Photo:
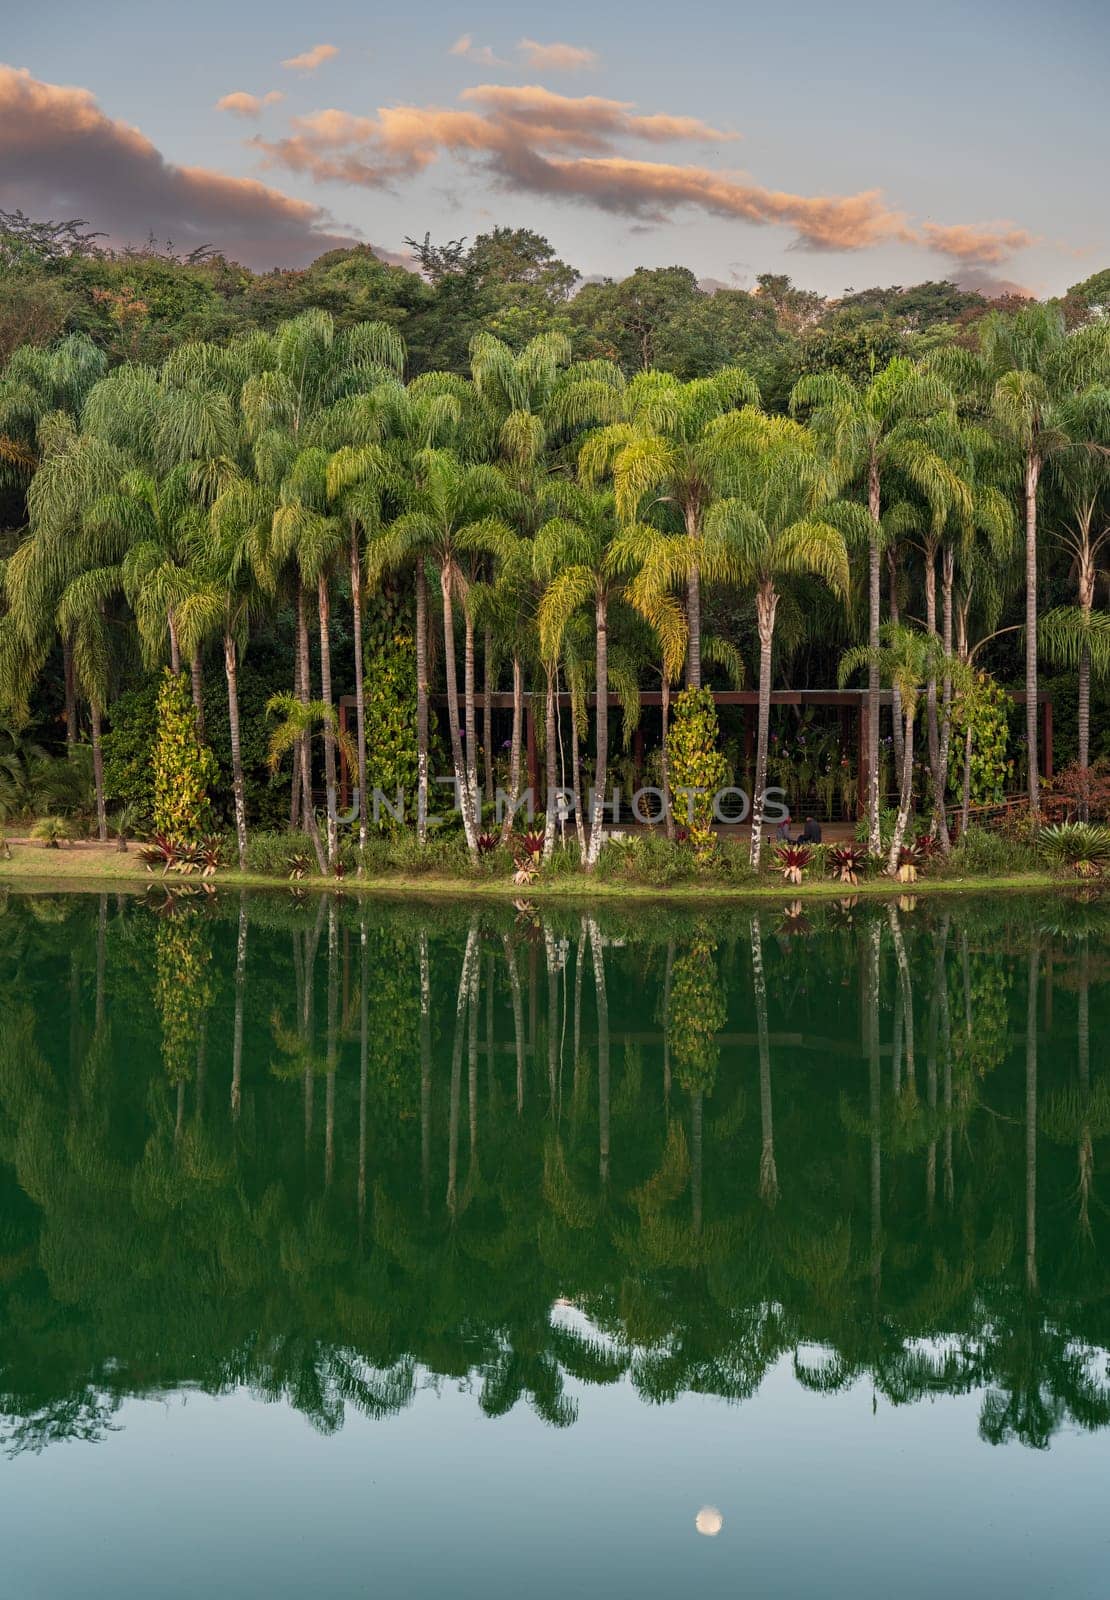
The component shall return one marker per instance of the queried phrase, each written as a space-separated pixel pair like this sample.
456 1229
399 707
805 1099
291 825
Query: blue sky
847 145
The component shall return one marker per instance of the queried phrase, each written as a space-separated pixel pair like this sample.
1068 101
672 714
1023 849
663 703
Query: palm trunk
323 595
665 757
602 997
947 568
875 1106
175 647
425 971
98 773
693 607
360 689
905 798
240 992
549 764
932 731
487 715
766 603
470 717
576 785
462 785
518 1017
296 786
768 1172
874 614
514 749
1032 478
304 689
196 674
597 807
895 693
421 703
231 668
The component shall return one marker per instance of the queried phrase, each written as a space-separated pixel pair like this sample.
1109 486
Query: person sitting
782 832
811 832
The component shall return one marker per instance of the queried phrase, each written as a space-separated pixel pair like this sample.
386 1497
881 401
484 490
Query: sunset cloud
61 156
242 104
556 57
529 139
986 245
309 60
480 54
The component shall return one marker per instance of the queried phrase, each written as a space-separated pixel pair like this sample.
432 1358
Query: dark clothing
811 833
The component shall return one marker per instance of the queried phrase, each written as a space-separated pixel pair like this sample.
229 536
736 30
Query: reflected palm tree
597 951
768 1171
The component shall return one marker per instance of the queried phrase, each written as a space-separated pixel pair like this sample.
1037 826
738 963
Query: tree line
556 517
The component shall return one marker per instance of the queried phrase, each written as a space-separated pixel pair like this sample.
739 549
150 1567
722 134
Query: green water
366 1249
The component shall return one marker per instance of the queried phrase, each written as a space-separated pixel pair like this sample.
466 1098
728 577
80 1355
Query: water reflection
330 1151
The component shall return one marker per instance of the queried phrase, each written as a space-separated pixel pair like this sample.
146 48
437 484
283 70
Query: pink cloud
556 57
309 60
242 104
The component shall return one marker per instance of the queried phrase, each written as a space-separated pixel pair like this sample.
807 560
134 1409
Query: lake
396 1248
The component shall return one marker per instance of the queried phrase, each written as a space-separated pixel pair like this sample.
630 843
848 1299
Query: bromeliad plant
793 859
847 862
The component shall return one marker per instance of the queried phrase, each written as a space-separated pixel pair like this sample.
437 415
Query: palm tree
906 658
769 530
231 572
574 555
1023 380
449 519
82 619
666 451
1078 637
868 429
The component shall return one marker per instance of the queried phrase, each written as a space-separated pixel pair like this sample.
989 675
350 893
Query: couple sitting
810 834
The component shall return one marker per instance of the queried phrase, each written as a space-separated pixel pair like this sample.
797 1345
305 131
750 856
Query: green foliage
183 990
986 708
391 724
696 1015
184 769
271 855
696 765
53 831
1082 848
988 853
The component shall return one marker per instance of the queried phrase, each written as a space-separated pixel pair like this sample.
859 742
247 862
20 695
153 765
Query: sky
847 145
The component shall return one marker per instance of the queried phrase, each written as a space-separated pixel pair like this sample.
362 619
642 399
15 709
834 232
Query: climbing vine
697 767
184 768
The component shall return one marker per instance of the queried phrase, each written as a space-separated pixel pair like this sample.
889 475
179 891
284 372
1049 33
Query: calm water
370 1250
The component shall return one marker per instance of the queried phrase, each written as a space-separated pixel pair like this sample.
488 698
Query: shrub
270 854
54 831
792 860
986 852
184 768
848 861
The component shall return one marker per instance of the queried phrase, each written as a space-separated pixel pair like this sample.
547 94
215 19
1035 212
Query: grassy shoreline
34 868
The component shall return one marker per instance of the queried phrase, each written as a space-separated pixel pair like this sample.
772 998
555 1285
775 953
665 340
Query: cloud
61 156
242 104
309 60
556 57
986 244
480 54
529 139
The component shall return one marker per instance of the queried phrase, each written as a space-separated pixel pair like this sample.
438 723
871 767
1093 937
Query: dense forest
419 489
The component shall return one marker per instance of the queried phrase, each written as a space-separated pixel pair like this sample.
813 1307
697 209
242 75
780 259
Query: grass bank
92 866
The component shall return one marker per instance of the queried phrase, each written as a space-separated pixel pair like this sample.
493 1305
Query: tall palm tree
1024 380
869 428
664 451
1078 637
574 555
450 520
230 575
907 658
